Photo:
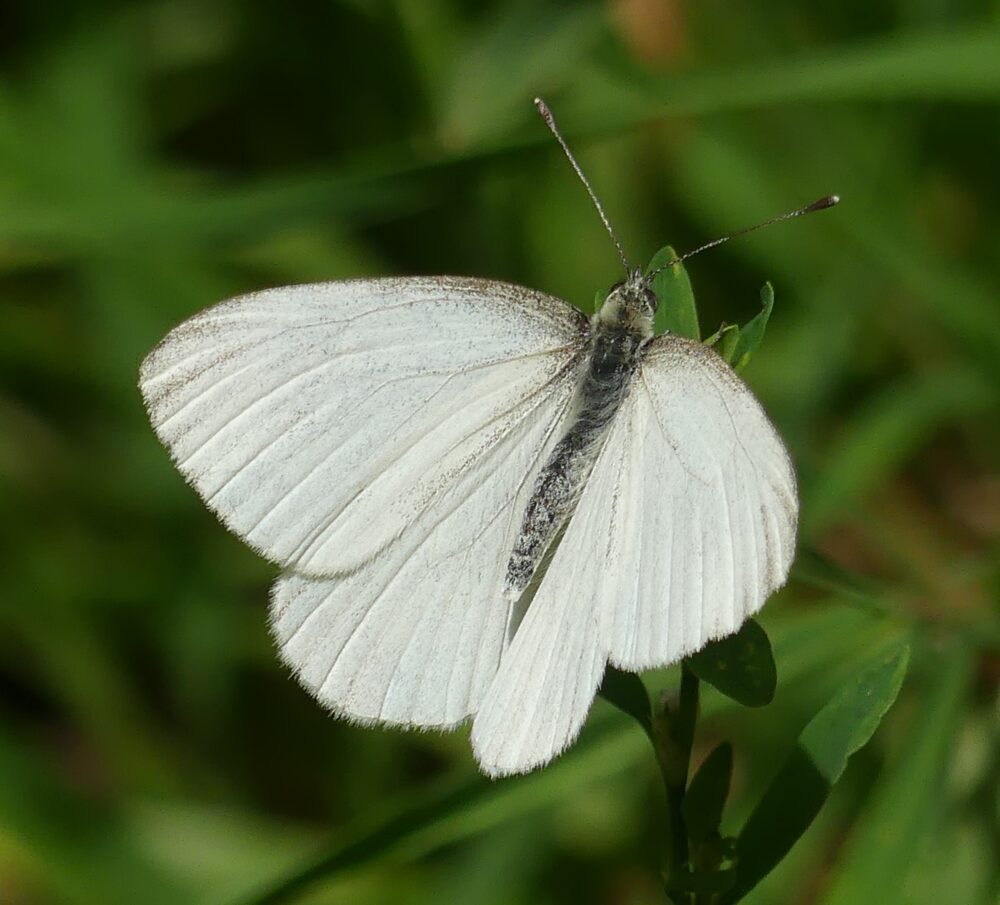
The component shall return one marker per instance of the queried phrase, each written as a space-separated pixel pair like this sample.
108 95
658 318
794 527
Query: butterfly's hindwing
414 636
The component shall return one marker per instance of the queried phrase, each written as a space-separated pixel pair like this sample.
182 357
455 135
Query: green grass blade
961 64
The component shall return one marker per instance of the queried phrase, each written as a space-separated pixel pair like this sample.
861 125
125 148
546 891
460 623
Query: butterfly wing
539 698
321 422
703 530
414 636
686 525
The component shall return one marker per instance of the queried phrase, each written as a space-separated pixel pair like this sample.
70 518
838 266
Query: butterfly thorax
619 334
630 305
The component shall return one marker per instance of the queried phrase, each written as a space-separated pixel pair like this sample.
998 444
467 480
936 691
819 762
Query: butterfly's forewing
686 525
321 422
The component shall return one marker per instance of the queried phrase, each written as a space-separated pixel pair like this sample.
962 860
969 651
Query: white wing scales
414 637
704 523
685 527
319 421
549 674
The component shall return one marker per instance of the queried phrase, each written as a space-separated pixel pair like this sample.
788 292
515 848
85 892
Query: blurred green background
158 156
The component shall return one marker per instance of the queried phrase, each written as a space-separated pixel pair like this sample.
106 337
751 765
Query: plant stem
674 736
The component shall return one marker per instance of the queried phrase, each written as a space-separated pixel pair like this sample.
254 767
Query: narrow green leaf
706 796
737 344
906 807
741 666
752 332
677 312
728 343
956 64
626 692
797 793
718 338
850 719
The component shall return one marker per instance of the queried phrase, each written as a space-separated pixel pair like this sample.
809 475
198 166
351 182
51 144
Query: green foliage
626 692
706 795
740 665
737 344
677 312
699 860
803 784
887 840
154 161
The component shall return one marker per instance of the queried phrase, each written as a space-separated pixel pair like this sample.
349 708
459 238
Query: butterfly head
630 304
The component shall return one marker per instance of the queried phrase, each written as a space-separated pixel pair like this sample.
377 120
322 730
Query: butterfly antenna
820 205
550 121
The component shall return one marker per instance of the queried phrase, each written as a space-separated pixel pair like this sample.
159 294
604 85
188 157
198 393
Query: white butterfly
408 450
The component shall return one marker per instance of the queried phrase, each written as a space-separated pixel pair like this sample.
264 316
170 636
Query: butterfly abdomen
615 352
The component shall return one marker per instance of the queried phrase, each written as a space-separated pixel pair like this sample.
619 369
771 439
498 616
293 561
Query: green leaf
677 312
706 796
741 666
752 332
737 344
904 811
626 692
728 343
718 338
797 793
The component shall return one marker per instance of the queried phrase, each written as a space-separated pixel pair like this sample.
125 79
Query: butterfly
479 496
